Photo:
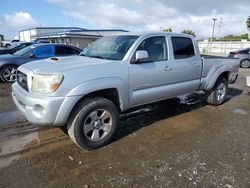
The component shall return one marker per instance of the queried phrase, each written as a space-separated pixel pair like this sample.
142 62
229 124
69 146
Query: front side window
183 47
43 51
110 47
25 50
156 48
21 46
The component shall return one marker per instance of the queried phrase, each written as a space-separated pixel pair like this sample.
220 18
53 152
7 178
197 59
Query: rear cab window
183 47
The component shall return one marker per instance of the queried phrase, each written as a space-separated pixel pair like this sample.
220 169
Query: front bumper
40 110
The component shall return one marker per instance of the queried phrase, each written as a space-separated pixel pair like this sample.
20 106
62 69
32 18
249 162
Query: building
28 34
78 37
1 38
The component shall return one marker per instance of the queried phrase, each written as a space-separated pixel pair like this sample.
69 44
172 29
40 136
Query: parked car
7 44
243 55
42 41
10 62
15 47
86 93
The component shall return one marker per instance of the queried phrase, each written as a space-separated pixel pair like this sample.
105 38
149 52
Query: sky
132 15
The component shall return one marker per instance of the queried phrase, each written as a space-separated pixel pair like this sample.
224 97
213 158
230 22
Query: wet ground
176 143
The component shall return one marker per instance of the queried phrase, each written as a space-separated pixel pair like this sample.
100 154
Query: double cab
86 93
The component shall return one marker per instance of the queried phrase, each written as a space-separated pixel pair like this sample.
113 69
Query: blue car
10 62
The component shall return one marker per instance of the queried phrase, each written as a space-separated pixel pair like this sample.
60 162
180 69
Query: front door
147 79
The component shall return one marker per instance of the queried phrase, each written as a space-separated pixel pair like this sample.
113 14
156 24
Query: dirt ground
174 143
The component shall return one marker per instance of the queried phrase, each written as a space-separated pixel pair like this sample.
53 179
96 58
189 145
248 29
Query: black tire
216 96
81 119
7 45
245 63
13 71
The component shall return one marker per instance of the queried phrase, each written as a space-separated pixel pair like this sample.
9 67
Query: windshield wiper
97 56
93 56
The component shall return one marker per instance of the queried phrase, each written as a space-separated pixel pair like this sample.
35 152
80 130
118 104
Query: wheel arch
216 77
117 93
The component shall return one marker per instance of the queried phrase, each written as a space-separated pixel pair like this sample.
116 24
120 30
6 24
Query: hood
62 64
5 51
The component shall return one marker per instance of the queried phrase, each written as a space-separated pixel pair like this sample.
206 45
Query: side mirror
31 55
141 55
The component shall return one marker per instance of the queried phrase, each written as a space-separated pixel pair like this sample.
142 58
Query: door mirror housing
140 56
31 55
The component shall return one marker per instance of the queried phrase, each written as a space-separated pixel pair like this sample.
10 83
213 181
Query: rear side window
183 47
64 50
44 51
244 51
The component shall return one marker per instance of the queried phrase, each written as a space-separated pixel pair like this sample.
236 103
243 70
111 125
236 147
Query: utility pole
214 19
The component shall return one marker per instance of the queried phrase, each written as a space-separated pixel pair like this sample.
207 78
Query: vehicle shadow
147 115
233 92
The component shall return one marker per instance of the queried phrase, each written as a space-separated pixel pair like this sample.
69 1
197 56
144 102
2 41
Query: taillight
233 54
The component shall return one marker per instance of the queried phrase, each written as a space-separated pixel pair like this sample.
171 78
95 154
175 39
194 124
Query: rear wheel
8 73
219 92
245 63
93 123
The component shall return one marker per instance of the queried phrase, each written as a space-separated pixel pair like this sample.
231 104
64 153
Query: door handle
196 64
168 68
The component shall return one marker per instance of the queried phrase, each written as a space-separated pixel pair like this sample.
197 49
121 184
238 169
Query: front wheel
219 92
8 73
245 63
93 123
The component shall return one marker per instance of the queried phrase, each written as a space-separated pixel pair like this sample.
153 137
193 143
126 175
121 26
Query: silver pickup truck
86 93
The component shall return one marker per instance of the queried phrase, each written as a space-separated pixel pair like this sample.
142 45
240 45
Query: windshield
111 47
13 46
25 50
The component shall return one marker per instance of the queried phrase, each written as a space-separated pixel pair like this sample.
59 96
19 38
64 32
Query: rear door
186 64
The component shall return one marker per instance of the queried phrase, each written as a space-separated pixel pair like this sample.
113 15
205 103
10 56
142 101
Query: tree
232 37
168 30
189 32
248 23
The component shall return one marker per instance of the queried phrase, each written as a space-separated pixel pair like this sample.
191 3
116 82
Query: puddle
8 118
4 162
239 111
14 145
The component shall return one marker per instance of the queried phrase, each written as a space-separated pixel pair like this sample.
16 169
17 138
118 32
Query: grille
22 80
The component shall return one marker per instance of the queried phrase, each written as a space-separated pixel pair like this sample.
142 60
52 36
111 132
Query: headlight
44 83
